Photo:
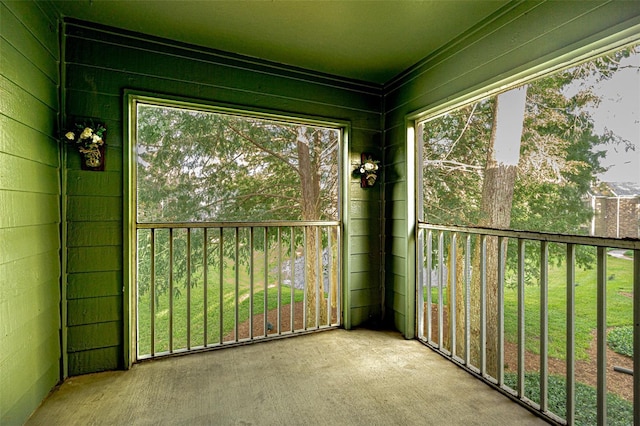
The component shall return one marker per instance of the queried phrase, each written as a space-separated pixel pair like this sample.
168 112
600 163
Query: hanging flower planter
367 170
89 139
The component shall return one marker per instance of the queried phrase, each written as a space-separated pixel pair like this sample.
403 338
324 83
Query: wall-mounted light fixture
367 170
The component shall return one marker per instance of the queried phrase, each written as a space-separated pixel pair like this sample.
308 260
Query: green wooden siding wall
523 38
29 209
100 64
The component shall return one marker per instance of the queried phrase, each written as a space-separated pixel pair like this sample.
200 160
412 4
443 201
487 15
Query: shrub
620 340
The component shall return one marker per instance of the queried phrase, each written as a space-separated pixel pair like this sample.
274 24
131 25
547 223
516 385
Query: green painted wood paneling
27 241
94 88
93 360
29 209
106 184
523 38
94 336
94 259
24 175
26 142
94 284
86 234
30 31
94 209
94 310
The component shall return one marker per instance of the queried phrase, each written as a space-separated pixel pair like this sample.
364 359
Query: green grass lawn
212 311
619 307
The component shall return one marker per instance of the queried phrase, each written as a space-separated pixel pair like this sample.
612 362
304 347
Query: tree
202 166
541 190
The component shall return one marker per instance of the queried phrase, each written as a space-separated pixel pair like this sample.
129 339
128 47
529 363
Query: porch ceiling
372 41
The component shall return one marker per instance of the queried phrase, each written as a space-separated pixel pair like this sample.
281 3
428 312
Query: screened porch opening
514 283
238 232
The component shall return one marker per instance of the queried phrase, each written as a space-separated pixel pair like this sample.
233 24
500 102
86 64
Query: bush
619 411
620 340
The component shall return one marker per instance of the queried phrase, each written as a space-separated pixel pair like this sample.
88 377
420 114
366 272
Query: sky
619 111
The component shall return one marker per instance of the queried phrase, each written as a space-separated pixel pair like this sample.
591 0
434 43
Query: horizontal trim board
81 29
203 78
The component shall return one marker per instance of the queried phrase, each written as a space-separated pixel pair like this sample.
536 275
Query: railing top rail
271 224
626 243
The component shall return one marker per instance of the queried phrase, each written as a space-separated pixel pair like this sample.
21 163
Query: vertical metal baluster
305 277
188 288
170 289
601 340
339 272
429 284
440 284
152 289
502 241
521 325
483 304
251 282
265 299
279 311
329 274
292 278
544 326
318 275
205 284
236 266
453 252
571 313
221 278
636 336
421 278
467 301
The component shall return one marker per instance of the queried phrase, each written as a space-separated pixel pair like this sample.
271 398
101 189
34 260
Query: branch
264 148
452 165
464 129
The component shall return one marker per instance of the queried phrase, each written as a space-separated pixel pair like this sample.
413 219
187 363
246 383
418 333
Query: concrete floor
338 377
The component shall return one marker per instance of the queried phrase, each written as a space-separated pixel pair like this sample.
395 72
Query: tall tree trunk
310 186
497 196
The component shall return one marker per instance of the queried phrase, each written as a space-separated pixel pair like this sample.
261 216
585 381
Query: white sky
619 111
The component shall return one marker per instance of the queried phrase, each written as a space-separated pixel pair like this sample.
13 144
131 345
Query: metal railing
503 305
212 284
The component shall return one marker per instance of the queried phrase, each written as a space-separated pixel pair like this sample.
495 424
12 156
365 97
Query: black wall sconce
367 170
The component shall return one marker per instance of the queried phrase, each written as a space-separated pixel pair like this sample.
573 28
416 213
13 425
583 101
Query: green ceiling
372 41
